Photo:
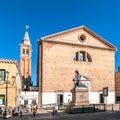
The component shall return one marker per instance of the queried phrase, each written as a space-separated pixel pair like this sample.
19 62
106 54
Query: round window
82 37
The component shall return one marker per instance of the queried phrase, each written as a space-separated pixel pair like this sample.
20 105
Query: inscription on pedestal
80 96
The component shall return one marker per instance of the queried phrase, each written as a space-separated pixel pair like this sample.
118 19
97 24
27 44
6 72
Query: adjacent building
10 75
29 97
117 85
78 49
16 88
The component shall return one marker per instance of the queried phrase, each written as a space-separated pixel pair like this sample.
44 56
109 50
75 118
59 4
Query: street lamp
7 82
13 79
0 78
7 74
6 101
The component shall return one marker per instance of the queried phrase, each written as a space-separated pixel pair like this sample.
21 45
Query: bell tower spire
25 60
26 39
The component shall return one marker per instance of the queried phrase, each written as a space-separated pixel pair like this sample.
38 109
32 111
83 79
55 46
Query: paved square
109 115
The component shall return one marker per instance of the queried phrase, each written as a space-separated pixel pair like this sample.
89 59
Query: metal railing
86 108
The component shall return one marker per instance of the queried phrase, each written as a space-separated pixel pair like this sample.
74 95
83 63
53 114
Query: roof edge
8 60
62 32
80 27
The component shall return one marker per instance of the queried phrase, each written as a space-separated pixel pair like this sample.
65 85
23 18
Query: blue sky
50 16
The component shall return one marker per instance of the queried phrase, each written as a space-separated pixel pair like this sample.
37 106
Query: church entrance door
101 98
60 99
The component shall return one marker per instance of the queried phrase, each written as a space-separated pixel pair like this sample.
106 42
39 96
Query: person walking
36 107
31 107
34 112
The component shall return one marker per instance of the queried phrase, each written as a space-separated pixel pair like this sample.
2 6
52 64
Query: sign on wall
105 91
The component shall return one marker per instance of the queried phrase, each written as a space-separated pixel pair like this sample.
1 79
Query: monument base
79 96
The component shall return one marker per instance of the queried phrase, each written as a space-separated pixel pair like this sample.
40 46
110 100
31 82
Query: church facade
78 49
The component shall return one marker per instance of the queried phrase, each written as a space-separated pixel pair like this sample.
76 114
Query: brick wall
59 67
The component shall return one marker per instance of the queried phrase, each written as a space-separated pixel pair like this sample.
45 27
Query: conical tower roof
26 39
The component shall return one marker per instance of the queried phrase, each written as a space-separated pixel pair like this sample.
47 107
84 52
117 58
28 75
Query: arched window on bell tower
27 51
23 51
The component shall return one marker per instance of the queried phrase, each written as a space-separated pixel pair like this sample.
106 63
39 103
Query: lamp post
14 82
6 100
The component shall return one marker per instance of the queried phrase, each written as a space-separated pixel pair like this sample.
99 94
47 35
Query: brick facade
117 84
25 61
56 64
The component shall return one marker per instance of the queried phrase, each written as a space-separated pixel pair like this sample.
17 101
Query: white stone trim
31 95
94 98
49 98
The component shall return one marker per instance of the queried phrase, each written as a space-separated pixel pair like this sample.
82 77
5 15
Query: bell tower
25 60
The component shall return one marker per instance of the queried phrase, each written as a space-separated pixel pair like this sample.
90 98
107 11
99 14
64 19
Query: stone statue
77 80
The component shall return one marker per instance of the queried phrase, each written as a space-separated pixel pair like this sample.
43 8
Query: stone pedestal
79 96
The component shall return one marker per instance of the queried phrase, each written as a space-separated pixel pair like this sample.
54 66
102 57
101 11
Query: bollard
21 113
53 111
112 107
104 107
70 109
83 109
119 105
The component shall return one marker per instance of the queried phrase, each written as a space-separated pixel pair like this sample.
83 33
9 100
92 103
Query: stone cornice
77 28
60 33
25 45
75 44
8 61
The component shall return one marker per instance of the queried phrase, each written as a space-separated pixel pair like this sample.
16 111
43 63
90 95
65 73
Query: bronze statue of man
78 82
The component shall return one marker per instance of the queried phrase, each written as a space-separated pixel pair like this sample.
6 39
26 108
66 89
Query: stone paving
47 115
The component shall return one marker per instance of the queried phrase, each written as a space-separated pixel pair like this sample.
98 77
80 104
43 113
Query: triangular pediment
79 36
